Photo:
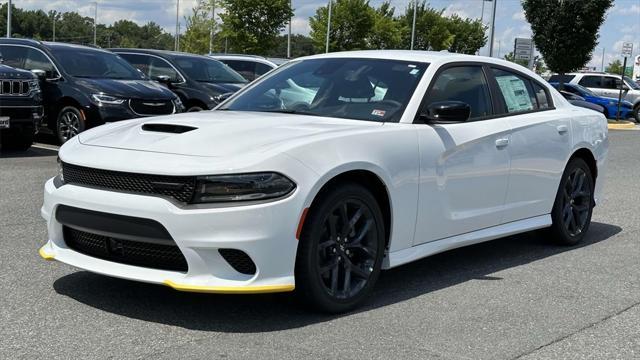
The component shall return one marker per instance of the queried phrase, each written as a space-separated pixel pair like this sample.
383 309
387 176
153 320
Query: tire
20 140
195 108
636 113
573 206
334 273
70 123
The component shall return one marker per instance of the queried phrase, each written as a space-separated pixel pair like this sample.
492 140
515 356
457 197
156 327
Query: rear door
539 147
594 83
464 167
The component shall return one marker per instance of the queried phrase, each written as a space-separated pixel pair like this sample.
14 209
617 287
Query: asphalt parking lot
513 298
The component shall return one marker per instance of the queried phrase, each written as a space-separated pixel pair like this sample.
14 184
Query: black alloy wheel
70 123
341 249
574 204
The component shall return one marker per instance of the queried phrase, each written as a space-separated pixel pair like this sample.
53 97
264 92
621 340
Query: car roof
49 44
161 53
414 55
254 58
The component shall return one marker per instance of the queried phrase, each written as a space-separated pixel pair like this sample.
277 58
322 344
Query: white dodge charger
326 171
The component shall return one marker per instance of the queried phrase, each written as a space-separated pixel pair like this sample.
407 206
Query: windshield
630 83
88 63
208 70
347 88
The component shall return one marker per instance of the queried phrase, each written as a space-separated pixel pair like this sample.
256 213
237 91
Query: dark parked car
20 107
199 81
83 87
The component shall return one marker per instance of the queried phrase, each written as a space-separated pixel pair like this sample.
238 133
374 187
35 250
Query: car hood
7 72
223 88
218 133
130 89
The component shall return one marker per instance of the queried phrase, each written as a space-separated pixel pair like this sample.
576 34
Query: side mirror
222 97
447 111
41 74
163 79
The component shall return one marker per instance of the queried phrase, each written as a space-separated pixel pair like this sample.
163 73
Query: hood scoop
168 128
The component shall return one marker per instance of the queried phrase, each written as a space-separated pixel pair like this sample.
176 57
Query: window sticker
515 93
379 113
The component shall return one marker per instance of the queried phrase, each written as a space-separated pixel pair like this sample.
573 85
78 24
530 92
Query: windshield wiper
289 111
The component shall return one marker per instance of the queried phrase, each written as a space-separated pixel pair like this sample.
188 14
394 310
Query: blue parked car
610 104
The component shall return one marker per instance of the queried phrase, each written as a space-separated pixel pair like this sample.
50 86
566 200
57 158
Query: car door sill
404 256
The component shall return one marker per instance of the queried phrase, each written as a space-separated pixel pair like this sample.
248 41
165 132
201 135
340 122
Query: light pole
328 27
602 64
493 28
95 23
413 26
9 19
176 44
54 26
289 37
213 25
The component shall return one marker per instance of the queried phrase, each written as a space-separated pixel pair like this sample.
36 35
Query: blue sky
622 23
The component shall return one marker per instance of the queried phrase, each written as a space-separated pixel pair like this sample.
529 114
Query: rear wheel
574 203
195 108
341 249
636 113
70 123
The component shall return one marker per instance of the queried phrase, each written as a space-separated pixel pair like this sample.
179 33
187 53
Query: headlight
242 187
34 85
102 99
59 179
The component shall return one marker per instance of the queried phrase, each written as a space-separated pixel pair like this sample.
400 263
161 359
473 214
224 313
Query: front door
464 167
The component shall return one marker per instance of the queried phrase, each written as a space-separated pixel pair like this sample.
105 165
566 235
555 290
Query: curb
622 125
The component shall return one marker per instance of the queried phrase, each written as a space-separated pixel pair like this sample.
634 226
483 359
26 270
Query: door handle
562 129
500 143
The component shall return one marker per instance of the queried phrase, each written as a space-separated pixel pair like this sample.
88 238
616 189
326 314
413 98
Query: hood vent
168 128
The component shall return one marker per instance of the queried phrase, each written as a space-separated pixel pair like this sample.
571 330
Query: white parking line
46 146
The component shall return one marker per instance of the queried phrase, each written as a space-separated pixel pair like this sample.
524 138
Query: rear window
564 78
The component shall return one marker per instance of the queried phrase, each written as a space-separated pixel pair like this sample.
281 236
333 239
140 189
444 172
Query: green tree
386 33
351 24
468 35
199 23
432 30
614 67
565 32
253 26
300 46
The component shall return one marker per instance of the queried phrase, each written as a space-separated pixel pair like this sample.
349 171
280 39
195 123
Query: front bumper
260 230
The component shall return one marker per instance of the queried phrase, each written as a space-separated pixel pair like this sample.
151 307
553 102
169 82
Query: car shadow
31 152
274 312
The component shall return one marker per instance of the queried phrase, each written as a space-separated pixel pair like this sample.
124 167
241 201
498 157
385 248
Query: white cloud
519 16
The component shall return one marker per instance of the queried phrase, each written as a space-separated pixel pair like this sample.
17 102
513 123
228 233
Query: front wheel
70 123
636 113
341 249
574 203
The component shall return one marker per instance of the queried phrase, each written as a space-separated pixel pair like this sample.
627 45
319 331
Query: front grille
14 87
151 107
181 188
156 256
239 261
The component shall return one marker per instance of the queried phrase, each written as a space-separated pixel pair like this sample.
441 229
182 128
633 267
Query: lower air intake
239 261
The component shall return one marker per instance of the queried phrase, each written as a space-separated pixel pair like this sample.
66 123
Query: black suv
83 87
200 81
20 107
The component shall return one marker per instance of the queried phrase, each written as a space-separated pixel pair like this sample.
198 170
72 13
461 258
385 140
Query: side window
516 91
245 68
262 69
36 60
140 62
543 97
14 56
591 81
609 82
466 84
159 67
